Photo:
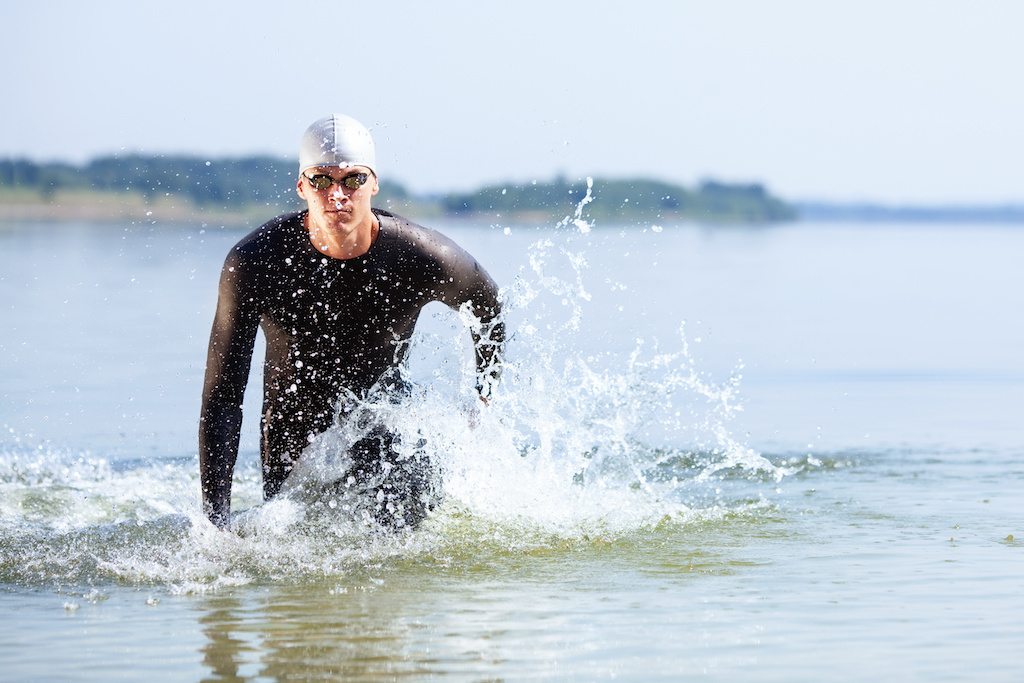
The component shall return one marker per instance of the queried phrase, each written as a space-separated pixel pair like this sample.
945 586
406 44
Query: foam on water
578 445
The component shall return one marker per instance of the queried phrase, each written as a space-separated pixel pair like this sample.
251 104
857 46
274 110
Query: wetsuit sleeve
227 370
468 284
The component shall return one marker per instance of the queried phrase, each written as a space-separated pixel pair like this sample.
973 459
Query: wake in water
577 444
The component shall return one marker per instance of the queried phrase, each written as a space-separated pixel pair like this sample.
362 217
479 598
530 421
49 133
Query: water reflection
323 630
466 614
227 652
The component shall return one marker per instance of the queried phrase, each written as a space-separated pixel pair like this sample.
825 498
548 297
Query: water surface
782 453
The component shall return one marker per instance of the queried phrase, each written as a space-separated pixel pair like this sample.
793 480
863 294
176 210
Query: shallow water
779 453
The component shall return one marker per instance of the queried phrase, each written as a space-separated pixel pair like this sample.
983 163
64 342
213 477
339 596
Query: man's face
338 207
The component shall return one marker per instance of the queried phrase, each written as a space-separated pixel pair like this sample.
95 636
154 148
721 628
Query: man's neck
340 243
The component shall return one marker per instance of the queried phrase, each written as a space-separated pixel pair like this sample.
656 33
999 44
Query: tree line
236 184
223 182
627 200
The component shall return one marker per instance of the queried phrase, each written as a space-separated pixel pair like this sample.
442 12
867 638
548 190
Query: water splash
580 444
577 219
574 444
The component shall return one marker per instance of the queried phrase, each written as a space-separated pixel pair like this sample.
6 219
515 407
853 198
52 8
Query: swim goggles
353 181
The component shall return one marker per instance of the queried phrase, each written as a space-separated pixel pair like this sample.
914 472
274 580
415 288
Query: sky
888 101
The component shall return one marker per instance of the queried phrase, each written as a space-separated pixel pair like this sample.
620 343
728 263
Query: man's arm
469 284
227 371
488 344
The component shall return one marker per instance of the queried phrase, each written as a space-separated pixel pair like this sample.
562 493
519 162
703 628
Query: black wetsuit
331 326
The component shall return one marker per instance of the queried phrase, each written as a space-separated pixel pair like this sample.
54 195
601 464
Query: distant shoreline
166 188
91 207
114 208
249 191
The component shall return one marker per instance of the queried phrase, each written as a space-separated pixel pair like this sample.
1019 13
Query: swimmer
336 289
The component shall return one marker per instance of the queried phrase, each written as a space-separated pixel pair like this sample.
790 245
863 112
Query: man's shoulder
402 233
269 236
399 225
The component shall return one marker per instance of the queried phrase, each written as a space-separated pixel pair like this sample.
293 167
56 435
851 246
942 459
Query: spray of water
574 445
577 445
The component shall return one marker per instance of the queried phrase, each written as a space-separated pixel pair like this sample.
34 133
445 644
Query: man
336 289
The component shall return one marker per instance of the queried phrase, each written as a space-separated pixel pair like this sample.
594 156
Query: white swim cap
336 140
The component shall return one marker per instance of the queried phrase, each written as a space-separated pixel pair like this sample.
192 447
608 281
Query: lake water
777 453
